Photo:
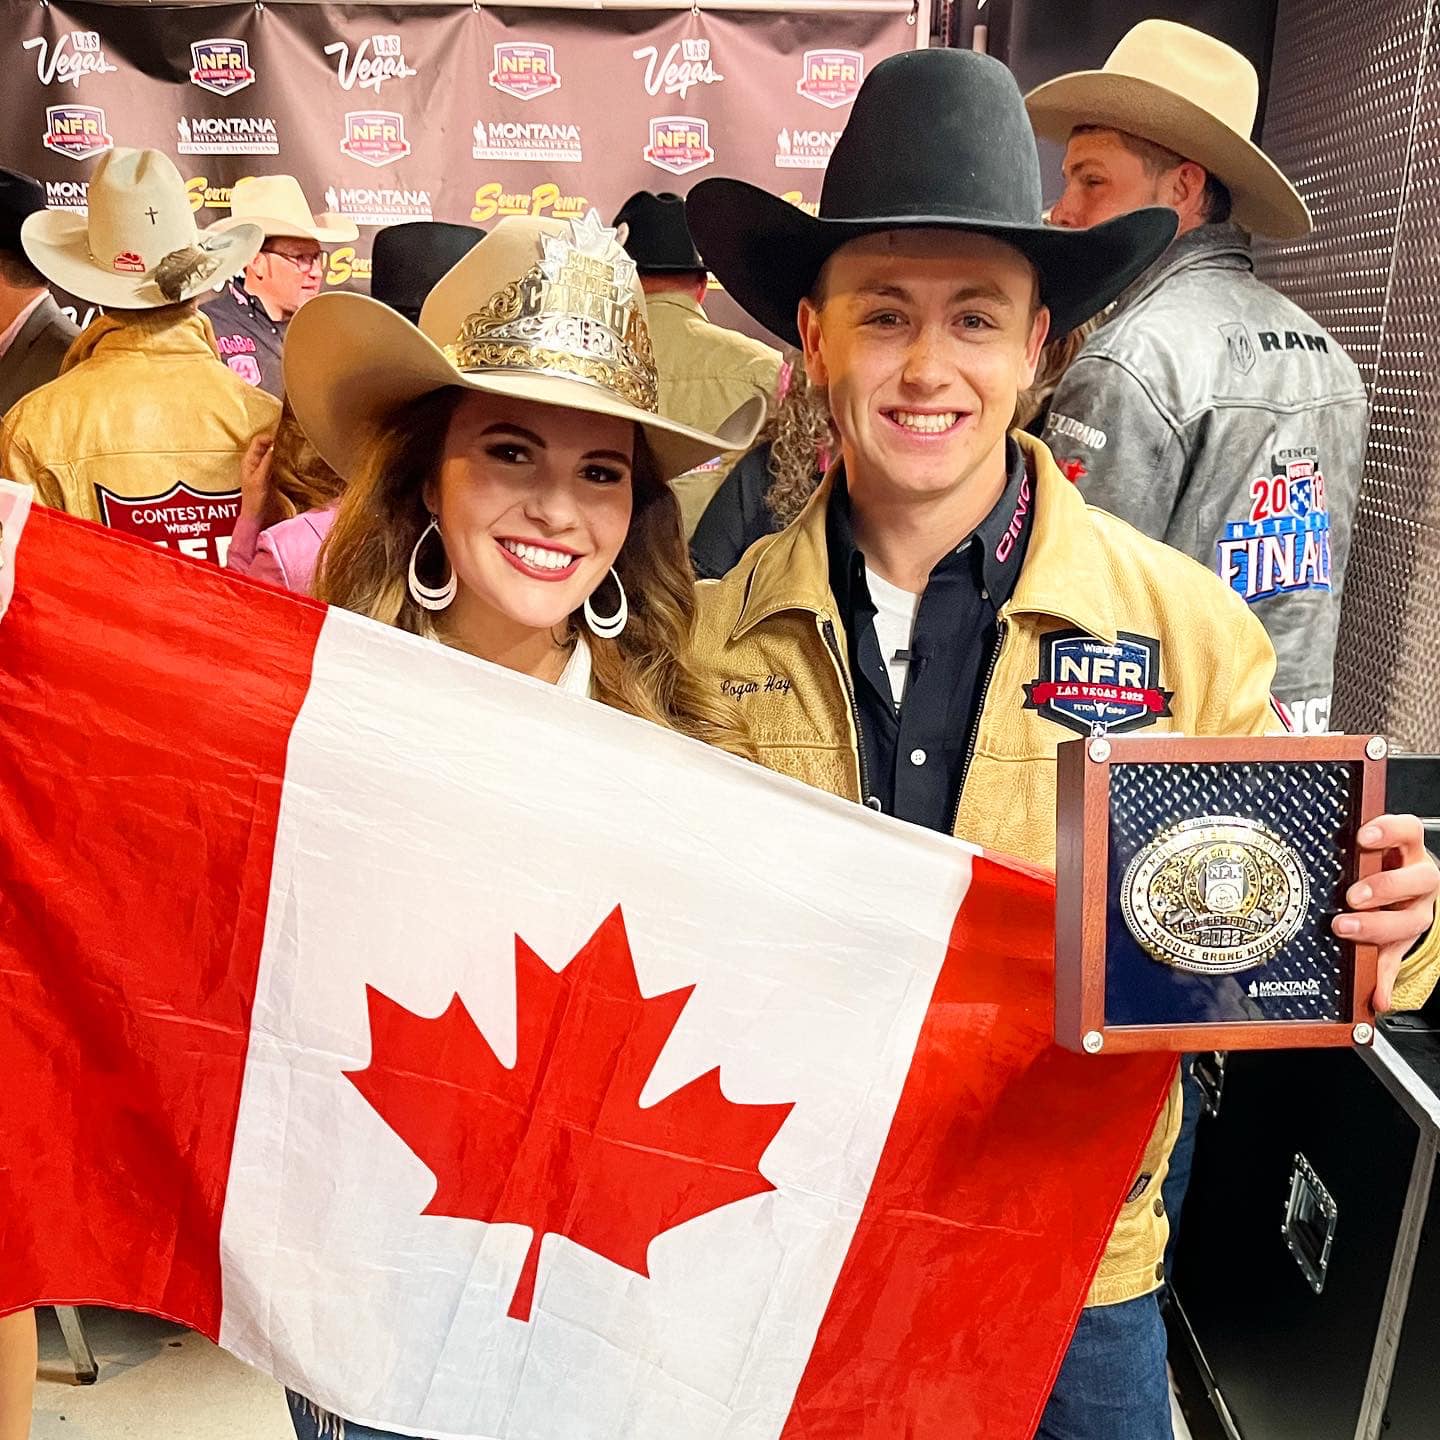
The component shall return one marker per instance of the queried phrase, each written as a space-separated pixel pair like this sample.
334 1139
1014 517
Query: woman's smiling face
534 504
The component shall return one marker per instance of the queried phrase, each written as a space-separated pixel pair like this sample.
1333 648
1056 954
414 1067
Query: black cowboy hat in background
658 238
937 139
407 261
20 196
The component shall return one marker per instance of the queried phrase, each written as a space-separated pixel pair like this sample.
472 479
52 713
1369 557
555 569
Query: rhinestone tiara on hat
575 314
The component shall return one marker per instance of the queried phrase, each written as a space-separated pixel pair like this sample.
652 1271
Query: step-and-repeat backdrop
395 113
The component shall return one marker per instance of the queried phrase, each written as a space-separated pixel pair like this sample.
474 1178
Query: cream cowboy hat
1179 88
277 204
139 213
542 310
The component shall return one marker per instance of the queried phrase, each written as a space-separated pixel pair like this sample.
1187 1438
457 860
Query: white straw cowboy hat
139 214
542 310
1182 89
277 204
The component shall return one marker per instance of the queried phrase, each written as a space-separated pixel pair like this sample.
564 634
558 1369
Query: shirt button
917 757
1159 1206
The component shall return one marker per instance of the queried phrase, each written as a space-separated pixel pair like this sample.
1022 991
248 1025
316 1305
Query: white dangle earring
430 597
607 627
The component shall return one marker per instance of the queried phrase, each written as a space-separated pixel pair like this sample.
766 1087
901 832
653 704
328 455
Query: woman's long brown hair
647 671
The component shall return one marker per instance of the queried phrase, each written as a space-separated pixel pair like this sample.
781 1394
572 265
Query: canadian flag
482 1062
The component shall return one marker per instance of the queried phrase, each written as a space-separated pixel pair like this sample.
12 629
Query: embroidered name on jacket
1284 544
1085 684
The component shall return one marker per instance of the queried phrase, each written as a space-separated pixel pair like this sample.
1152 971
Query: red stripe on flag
146 702
1006 1165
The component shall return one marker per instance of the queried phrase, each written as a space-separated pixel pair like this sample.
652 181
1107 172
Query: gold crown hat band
574 315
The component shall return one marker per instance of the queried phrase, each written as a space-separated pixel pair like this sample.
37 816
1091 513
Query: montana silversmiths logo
374 137
221 65
376 60
686 64
367 205
679 143
67 195
525 71
804 149
526 140
831 77
493 201
76 131
76 54
1280 989
227 135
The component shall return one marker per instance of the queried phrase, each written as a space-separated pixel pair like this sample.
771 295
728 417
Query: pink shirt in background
284 554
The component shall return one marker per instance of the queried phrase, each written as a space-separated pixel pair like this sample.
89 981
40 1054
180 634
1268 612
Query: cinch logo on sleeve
1283 546
1085 683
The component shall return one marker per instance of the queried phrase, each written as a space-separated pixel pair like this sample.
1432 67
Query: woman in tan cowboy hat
508 469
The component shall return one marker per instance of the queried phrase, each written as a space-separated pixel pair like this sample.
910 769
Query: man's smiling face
923 340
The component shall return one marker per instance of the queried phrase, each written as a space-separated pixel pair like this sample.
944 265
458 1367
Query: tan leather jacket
143 405
706 373
770 635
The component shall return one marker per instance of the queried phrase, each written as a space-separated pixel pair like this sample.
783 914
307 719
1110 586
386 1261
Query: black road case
1307 1274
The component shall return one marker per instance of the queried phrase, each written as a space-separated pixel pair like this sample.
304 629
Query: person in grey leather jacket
1208 410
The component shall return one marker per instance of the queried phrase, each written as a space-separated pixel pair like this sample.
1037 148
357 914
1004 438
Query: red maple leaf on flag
560 1143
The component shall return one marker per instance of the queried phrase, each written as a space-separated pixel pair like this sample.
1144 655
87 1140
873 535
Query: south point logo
376 60
75 55
493 201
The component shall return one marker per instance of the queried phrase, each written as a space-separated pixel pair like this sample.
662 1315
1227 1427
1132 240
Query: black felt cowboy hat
20 197
658 239
407 261
937 139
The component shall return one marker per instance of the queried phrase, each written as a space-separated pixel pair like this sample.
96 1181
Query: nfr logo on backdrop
524 70
374 137
221 66
679 143
76 131
831 77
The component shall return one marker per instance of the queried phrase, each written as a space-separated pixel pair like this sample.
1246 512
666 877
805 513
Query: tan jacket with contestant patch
770 635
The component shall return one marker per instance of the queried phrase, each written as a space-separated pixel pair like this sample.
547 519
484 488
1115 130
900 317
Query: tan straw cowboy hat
1179 88
277 204
541 310
139 215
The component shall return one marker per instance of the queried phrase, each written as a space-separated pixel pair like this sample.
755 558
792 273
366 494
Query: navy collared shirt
250 341
914 754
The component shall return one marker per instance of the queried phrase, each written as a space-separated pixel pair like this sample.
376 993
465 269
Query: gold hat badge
578 314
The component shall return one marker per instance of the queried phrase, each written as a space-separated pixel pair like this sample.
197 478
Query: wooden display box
1161 844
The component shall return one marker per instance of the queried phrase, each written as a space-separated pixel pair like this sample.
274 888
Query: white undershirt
895 611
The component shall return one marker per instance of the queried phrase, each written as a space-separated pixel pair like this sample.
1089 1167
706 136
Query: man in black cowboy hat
34 331
706 371
407 261
890 643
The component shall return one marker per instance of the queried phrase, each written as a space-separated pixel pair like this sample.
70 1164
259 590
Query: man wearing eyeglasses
250 314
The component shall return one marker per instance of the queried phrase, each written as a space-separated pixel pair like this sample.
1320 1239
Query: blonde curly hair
800 434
